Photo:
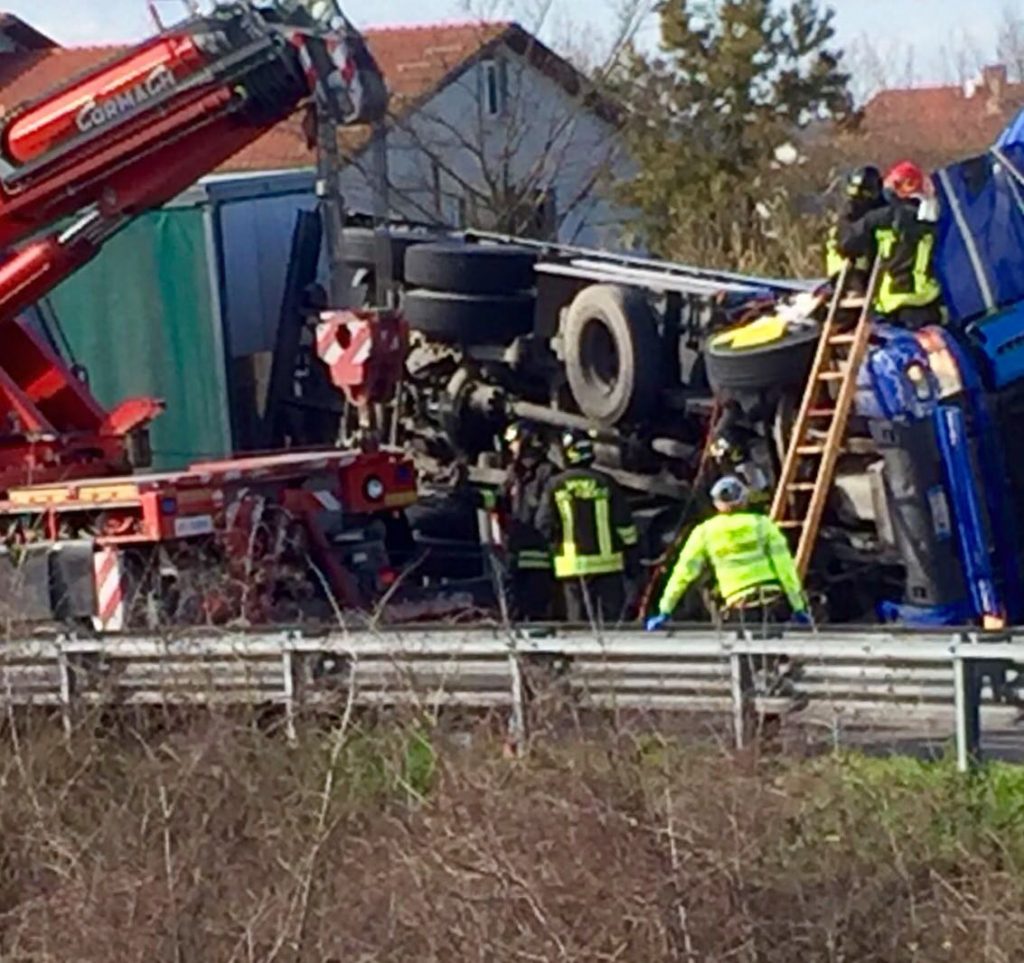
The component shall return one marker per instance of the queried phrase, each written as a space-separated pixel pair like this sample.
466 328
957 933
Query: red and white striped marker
327 501
108 578
327 344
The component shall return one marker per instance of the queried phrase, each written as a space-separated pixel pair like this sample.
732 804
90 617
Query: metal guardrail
848 678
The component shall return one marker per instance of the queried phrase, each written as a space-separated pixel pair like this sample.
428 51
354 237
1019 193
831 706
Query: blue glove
801 618
655 622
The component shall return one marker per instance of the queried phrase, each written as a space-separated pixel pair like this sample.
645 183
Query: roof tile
938 124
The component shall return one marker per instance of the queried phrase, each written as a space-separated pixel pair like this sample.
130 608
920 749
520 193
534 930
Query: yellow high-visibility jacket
746 551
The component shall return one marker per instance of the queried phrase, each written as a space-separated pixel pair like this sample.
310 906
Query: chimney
993 85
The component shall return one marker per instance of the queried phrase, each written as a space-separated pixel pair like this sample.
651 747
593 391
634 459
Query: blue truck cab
945 407
945 439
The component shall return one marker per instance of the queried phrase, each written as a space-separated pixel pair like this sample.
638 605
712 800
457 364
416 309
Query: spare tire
470 268
469 318
612 355
359 248
783 363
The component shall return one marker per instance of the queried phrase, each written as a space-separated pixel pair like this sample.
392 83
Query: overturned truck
922 522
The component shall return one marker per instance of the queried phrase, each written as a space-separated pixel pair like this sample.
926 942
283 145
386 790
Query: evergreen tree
734 81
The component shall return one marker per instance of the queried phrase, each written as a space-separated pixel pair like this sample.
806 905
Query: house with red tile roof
492 129
936 125
488 128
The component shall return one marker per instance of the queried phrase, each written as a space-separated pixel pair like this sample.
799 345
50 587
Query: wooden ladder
820 428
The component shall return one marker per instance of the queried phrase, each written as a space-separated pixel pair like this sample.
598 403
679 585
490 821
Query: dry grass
212 839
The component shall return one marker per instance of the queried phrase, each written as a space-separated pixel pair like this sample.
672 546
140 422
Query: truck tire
359 248
612 356
470 268
469 318
779 364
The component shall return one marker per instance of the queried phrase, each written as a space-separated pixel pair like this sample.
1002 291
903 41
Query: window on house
494 83
453 210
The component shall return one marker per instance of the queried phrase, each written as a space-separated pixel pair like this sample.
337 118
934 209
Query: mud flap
72 586
365 557
25 585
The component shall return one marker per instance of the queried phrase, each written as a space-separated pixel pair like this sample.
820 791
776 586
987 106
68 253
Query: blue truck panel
999 340
927 389
981 233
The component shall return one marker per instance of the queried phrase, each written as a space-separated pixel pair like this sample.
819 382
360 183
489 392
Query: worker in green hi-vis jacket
754 571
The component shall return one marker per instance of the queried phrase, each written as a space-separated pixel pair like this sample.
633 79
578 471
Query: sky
930 34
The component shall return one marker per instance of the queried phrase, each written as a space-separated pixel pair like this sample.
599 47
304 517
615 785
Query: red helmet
906 179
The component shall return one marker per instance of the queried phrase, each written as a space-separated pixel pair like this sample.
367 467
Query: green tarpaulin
140 318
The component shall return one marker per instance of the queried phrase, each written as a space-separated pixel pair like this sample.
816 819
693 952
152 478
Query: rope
677 544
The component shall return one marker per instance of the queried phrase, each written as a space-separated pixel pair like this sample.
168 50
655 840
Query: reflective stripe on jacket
527 482
745 550
586 518
835 260
907 279
905 244
532 559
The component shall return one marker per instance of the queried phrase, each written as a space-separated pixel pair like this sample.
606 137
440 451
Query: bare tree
591 45
1010 43
962 63
876 65
521 141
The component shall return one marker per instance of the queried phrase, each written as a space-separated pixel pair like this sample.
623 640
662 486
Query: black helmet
725 449
729 443
864 184
518 431
525 436
731 437
578 447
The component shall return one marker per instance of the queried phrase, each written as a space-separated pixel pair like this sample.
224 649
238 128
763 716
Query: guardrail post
742 688
66 675
967 696
516 743
291 664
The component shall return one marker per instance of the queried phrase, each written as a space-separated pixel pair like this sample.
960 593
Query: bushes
213 839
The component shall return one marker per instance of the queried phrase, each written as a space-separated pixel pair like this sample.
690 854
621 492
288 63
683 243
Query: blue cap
729 490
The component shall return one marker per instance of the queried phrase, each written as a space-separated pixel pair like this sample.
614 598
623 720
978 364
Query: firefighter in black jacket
587 521
903 233
528 474
864 194
732 452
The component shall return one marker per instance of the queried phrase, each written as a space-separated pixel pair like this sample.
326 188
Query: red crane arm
130 135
